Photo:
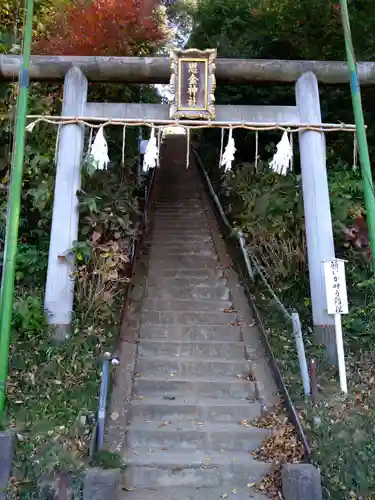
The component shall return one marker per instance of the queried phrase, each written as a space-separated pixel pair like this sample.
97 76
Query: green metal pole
14 204
368 186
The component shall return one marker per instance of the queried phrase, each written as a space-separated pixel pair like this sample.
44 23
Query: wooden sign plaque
193 84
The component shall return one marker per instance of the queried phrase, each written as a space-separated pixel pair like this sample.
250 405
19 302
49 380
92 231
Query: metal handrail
108 360
245 277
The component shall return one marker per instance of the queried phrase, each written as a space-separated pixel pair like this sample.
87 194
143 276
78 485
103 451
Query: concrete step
199 226
186 305
212 387
160 239
180 436
218 291
179 218
205 274
184 493
218 333
186 281
165 318
205 349
182 247
167 234
166 211
199 367
187 408
159 267
181 252
147 469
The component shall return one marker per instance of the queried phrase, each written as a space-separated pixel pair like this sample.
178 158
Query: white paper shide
281 161
99 151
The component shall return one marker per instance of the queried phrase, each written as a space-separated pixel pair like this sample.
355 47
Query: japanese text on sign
193 85
337 298
193 81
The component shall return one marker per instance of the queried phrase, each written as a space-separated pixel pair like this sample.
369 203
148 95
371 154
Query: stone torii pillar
318 223
64 231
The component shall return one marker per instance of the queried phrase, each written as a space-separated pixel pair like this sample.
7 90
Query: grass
53 390
53 387
340 428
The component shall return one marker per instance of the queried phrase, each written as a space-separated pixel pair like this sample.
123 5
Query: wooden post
319 235
65 218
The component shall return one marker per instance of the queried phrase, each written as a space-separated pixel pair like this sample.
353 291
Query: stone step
186 493
166 318
183 247
203 277
161 266
191 333
180 436
179 218
181 252
218 387
147 469
206 349
184 260
202 281
187 408
194 210
179 199
193 292
194 305
196 230
199 367
160 239
199 226
171 205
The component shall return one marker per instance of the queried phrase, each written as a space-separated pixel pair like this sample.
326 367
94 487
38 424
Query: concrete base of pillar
61 333
326 335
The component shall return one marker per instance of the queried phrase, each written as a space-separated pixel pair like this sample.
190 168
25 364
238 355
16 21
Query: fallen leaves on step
245 423
167 422
282 446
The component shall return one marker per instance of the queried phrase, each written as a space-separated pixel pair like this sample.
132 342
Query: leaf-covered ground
53 387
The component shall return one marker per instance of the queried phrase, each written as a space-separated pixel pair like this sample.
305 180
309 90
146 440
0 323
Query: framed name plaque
193 84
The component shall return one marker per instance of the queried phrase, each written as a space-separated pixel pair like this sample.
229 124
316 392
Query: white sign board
337 297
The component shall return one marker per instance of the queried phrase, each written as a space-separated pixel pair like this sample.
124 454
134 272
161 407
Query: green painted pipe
368 186
14 205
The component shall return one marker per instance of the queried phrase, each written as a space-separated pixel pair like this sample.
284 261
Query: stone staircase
193 382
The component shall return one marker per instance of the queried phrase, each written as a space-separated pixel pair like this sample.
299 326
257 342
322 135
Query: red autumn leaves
101 27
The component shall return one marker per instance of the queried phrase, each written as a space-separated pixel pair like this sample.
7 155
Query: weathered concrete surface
6 459
301 482
157 69
195 494
224 113
194 390
102 484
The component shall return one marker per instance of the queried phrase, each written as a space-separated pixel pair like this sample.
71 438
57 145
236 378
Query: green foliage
270 210
53 388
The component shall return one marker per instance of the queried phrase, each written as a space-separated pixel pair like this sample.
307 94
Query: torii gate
76 71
